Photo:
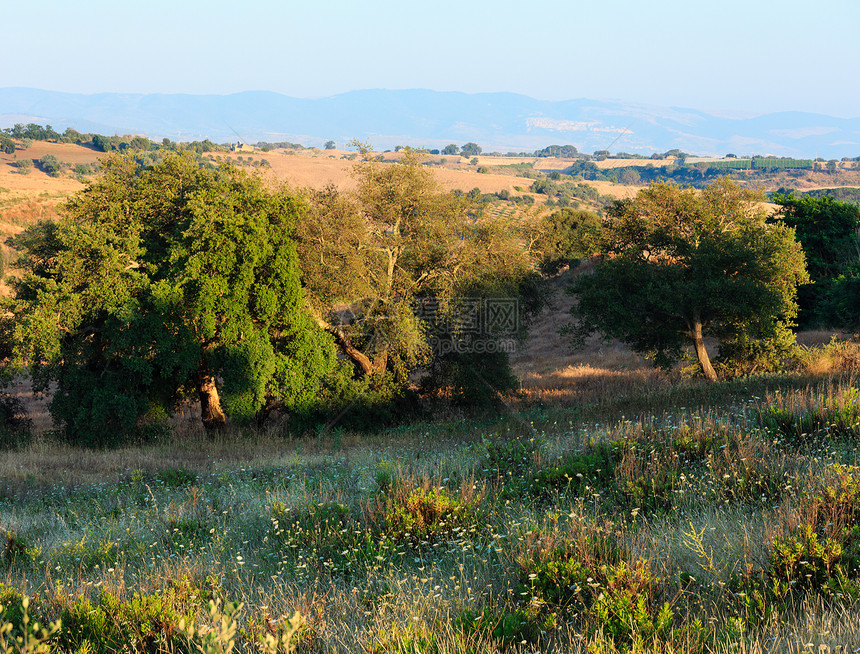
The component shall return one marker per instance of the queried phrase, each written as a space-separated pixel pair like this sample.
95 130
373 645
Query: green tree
102 143
399 243
165 282
829 231
451 148
50 164
470 149
329 145
564 237
680 265
7 145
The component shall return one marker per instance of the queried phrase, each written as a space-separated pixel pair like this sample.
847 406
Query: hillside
503 122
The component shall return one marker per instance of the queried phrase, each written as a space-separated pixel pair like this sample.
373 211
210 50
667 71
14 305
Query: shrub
50 165
15 423
419 512
176 477
506 628
14 547
586 577
142 624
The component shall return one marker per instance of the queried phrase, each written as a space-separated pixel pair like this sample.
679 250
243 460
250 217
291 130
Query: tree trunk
211 414
364 362
701 352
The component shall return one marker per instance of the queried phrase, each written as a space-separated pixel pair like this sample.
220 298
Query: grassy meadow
680 517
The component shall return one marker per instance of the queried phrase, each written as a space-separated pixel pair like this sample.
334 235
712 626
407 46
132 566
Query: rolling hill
497 121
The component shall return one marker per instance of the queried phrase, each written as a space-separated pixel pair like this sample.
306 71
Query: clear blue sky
727 55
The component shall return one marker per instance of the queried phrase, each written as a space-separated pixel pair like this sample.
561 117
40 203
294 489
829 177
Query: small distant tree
470 149
329 145
102 143
50 164
7 145
24 166
629 176
450 149
680 265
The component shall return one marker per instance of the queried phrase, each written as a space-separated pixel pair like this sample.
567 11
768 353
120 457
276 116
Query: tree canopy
400 245
679 265
163 282
829 231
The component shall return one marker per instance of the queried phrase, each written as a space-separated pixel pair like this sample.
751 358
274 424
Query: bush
419 512
50 165
15 423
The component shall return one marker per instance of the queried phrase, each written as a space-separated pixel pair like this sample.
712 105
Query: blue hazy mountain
496 121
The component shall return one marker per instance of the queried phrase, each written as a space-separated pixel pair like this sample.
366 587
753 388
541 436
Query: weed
176 477
507 628
425 513
14 547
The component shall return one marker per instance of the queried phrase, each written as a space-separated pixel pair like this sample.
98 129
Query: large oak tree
163 282
679 265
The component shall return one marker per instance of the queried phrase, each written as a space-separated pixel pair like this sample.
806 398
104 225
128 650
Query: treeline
848 194
34 132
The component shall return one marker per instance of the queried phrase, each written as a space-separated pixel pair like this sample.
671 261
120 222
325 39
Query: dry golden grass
550 371
317 169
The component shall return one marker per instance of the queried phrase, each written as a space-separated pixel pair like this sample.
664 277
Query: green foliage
829 231
561 151
176 477
587 578
407 253
18 631
7 145
570 473
566 236
420 513
507 628
15 423
625 611
680 265
14 547
165 279
50 165
145 623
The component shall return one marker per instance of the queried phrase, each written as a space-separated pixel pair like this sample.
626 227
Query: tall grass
675 520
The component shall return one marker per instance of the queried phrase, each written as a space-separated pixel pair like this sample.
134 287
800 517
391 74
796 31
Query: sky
734 57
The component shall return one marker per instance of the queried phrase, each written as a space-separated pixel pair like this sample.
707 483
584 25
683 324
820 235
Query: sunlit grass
461 536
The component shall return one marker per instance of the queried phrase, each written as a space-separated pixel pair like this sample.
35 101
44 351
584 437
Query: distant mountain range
503 122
